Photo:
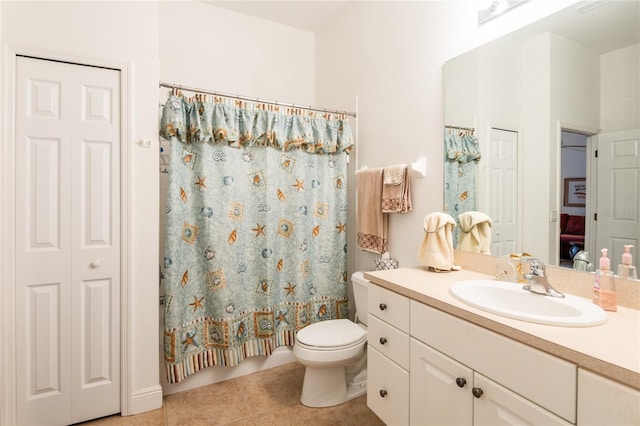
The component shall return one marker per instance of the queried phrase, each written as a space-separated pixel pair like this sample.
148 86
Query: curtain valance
244 124
461 148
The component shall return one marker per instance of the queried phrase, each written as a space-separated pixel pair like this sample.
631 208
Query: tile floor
270 397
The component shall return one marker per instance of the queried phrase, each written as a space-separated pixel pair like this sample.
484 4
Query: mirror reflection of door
574 197
500 200
618 165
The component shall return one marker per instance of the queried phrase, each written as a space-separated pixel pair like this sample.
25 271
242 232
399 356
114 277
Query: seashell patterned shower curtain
462 153
256 228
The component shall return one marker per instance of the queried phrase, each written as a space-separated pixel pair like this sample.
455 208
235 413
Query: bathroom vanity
434 360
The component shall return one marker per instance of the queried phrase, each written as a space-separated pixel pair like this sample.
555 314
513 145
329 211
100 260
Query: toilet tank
360 285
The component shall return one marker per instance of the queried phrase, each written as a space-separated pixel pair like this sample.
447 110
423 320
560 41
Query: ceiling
305 15
601 25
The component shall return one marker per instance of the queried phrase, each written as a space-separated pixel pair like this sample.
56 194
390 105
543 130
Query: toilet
334 353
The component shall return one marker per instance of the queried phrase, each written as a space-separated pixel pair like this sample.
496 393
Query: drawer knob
383 393
383 306
477 392
461 381
383 340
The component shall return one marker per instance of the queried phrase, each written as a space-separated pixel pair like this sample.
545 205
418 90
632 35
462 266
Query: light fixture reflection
489 9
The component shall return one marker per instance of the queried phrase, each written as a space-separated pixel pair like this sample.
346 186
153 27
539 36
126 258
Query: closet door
67 242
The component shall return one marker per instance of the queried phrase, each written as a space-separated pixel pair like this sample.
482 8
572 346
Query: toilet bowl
334 354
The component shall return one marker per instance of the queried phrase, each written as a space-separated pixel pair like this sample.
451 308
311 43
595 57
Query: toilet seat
331 335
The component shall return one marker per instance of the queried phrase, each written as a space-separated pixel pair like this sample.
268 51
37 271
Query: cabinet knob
383 340
383 306
477 392
95 263
383 393
461 381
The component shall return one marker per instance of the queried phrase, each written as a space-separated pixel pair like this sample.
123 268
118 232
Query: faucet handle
537 267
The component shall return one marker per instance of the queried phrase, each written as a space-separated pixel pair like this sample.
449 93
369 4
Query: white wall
124 33
212 48
620 89
575 84
390 55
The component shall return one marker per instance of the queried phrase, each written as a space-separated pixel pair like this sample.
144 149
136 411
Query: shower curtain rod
447 126
246 98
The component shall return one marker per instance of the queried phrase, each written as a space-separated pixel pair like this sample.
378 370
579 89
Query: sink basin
510 300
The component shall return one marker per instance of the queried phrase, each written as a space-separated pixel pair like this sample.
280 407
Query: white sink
510 300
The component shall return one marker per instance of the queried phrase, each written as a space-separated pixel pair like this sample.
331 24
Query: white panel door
497 405
440 388
618 193
67 242
501 199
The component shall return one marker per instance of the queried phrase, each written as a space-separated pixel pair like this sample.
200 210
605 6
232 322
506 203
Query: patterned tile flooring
270 397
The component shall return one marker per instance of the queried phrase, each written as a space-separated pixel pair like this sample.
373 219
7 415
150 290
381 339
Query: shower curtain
256 228
461 155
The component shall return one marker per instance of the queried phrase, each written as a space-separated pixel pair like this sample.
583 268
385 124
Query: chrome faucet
537 278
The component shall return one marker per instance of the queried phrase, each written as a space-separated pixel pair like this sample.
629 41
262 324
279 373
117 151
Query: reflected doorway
574 196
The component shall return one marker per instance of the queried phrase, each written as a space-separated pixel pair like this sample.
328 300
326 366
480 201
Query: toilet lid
332 333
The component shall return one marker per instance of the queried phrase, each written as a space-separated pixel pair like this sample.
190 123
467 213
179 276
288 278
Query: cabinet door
604 402
440 388
499 406
387 389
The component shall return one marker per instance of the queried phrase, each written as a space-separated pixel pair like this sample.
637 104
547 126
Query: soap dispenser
604 288
626 269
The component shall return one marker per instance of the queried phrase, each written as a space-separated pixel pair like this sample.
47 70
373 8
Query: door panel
43 346
618 193
500 406
67 242
436 397
501 199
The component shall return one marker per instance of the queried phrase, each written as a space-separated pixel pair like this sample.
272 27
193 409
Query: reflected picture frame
575 192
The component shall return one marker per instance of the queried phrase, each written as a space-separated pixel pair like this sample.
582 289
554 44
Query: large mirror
544 102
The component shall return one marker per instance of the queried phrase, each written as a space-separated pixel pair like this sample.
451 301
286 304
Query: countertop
611 349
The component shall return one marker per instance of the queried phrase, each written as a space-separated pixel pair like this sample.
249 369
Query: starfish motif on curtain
291 289
200 182
189 339
259 230
299 185
342 227
197 303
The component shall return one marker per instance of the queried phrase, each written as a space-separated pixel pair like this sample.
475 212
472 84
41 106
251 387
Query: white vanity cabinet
604 402
463 374
440 390
388 355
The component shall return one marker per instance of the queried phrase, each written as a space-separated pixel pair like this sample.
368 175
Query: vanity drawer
387 389
521 368
389 341
389 306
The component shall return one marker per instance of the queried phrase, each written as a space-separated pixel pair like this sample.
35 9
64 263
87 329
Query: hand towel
475 232
396 189
371 222
394 175
436 250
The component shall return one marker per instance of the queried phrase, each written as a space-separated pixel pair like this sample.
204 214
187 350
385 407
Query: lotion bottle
604 288
626 269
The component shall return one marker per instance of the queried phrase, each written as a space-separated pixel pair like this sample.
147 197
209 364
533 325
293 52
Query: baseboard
146 400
